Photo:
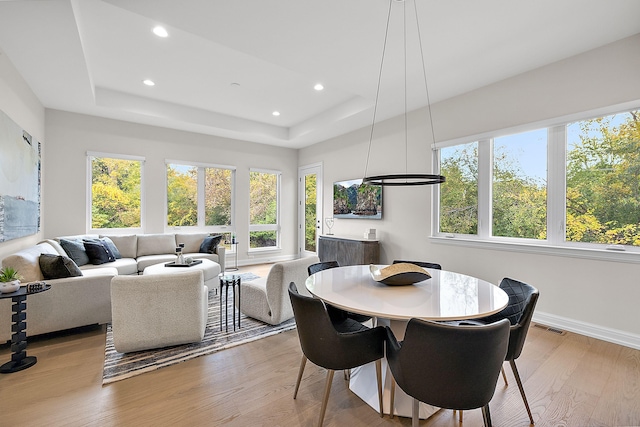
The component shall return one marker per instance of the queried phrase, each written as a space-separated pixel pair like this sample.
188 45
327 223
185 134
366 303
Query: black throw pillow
75 250
57 267
98 252
210 244
109 245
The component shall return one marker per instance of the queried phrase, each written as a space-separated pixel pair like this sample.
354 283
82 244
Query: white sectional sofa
85 300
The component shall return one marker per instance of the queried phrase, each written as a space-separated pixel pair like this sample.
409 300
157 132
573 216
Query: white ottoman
210 271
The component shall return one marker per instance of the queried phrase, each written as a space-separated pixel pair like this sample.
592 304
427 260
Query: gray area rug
119 366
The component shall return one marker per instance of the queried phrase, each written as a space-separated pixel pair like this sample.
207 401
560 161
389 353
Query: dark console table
348 251
19 358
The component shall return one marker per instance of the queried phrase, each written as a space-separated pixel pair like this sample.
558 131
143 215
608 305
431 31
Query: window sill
263 250
544 249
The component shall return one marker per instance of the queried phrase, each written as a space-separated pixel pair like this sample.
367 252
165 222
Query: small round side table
227 281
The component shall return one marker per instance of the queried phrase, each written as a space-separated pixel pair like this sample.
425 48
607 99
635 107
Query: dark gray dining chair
334 312
519 311
334 345
453 367
420 264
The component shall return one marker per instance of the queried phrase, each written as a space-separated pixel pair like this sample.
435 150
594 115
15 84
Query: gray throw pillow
75 250
58 267
98 252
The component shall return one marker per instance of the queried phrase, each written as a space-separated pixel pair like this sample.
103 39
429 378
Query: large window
572 184
200 196
603 180
264 201
459 197
519 191
115 194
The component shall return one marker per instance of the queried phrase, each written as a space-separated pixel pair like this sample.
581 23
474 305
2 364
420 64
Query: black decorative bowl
399 274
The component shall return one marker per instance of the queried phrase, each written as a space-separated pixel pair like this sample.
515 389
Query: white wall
70 136
19 103
597 298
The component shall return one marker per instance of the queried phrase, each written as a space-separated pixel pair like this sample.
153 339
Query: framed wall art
19 181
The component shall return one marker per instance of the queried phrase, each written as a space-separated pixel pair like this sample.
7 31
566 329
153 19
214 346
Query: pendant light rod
375 106
424 74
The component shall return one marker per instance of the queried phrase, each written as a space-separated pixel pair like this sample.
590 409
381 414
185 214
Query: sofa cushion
98 252
192 241
56 245
127 245
75 250
58 266
210 244
156 244
122 265
26 261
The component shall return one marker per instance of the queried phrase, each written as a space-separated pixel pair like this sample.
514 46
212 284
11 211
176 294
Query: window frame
555 243
267 227
200 185
89 201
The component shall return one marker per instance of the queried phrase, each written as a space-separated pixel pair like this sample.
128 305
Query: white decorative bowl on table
399 274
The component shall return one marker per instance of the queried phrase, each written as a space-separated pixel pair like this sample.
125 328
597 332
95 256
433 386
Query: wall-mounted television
353 199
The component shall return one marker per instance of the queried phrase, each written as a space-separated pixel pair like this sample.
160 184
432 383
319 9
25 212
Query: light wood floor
570 380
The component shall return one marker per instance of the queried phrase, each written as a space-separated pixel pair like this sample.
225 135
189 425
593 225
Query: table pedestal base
364 384
19 358
12 366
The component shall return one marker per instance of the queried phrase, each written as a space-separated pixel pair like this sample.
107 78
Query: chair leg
303 362
415 413
460 415
524 397
325 399
393 396
504 376
486 415
379 377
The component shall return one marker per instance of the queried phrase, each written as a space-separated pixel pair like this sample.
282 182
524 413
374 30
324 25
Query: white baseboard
262 260
588 329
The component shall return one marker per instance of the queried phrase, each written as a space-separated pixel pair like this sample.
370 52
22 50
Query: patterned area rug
119 366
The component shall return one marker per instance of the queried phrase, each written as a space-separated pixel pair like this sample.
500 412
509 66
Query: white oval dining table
445 296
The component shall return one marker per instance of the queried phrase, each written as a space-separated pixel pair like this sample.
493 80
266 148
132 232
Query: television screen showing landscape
353 199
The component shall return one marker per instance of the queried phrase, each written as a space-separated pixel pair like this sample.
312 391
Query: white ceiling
90 56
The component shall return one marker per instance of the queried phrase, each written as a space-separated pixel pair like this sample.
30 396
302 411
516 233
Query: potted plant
9 280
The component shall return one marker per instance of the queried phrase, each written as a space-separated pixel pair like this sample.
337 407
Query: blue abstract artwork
19 181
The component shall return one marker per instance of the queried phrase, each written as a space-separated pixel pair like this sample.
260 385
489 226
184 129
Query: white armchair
158 311
267 298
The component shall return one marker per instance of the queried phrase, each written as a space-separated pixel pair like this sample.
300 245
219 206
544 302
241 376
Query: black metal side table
226 282
19 358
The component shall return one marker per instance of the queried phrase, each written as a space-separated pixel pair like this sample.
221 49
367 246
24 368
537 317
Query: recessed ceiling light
149 82
160 31
276 113
318 87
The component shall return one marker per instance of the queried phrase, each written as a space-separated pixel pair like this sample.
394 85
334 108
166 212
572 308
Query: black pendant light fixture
402 179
